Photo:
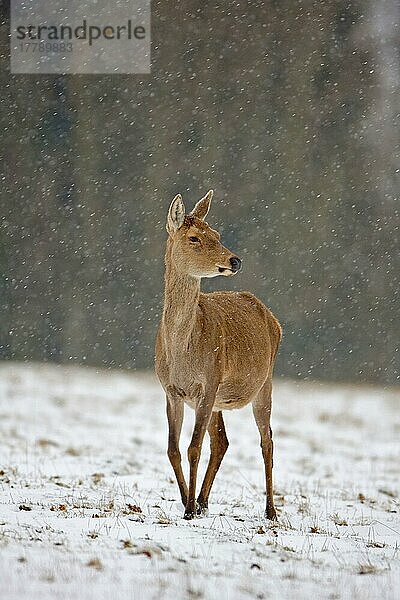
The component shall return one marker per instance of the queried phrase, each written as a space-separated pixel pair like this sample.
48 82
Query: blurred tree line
288 109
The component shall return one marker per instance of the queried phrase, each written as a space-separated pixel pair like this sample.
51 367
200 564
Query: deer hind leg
219 445
175 418
203 414
262 414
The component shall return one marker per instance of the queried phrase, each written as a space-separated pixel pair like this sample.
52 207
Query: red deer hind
214 351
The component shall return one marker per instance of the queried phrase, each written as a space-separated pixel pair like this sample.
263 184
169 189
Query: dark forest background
287 109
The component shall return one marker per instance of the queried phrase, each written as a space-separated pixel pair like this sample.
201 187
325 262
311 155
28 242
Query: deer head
196 249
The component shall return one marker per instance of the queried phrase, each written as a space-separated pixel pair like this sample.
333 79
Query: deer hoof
202 510
189 514
270 514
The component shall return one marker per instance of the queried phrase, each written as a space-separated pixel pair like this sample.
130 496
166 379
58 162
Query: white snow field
89 507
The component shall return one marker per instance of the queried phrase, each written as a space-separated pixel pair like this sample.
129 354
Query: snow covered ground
89 508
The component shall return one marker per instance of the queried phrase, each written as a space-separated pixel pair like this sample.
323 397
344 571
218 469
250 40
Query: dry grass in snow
89 507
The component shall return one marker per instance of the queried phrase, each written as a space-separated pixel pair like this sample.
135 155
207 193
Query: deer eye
193 238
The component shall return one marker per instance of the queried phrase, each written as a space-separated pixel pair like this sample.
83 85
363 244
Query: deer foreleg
175 418
203 414
219 445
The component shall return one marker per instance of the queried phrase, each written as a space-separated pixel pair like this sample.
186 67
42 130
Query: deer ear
203 206
176 214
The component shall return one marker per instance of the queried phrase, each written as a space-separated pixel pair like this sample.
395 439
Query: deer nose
236 263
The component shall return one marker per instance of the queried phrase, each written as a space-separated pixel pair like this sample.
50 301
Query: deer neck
181 299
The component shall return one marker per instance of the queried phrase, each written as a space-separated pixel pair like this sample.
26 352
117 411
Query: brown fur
214 351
